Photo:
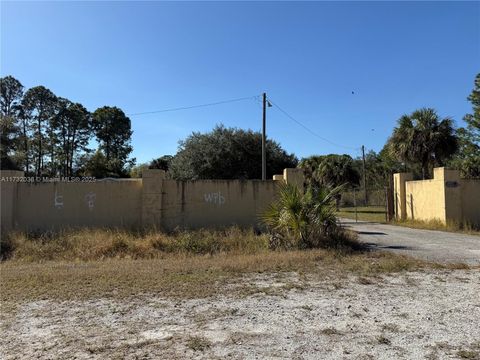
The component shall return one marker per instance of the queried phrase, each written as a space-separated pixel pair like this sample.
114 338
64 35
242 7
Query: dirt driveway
438 246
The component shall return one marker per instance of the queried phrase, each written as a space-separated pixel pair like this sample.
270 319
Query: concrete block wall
399 197
8 191
44 206
153 202
445 198
152 192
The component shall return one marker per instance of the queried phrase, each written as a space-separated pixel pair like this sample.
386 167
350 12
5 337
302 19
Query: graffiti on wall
58 200
214 198
90 200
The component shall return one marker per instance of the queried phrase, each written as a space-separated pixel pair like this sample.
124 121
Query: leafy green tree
95 164
39 105
162 163
113 132
227 153
467 158
137 170
379 168
8 144
423 138
73 131
11 92
473 120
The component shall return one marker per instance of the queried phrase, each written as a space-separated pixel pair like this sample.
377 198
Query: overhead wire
194 106
308 129
257 100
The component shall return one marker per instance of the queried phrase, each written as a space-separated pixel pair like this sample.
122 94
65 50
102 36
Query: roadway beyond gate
431 245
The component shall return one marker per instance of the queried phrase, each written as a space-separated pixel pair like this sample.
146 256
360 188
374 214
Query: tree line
47 135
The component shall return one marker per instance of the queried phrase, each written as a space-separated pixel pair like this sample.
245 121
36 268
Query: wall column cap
446 174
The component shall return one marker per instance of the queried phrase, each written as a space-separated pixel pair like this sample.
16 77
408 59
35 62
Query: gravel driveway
439 246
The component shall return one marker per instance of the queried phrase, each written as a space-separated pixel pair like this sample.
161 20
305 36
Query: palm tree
423 138
330 171
302 220
336 170
309 165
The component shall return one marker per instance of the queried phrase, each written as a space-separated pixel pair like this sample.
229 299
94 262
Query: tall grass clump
95 244
208 241
298 220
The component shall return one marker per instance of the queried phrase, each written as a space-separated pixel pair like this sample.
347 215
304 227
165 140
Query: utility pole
364 176
264 138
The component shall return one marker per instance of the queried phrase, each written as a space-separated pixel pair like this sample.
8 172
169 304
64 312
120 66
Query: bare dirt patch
428 313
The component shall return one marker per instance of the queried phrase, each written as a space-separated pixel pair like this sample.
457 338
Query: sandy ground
433 315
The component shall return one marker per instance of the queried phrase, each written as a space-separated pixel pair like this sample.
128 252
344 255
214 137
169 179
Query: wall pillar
453 195
399 198
295 177
152 189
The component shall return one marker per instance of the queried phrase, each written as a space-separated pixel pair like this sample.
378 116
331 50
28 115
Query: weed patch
198 343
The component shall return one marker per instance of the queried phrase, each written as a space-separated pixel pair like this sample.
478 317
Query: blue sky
308 57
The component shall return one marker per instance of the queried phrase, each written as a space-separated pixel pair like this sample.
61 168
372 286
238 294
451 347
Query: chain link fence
370 205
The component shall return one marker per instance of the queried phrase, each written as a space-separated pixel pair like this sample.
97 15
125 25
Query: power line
308 129
195 106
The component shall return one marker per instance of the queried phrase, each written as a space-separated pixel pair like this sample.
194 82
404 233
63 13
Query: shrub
305 220
7 246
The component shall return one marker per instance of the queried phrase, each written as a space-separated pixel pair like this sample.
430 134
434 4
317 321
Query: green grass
367 213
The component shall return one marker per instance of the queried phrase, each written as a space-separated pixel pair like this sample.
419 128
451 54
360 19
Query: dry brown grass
109 263
182 275
197 343
95 244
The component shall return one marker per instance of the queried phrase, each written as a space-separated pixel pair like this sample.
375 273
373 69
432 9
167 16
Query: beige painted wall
214 203
425 200
150 201
45 206
446 197
8 191
471 200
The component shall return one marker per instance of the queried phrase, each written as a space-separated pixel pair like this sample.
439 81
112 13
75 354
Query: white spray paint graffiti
58 201
90 200
216 198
